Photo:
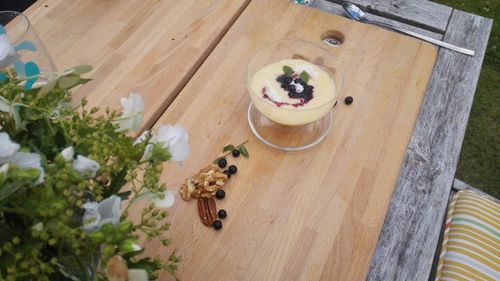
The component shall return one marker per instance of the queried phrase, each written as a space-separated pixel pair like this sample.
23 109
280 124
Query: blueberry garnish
236 153
348 100
222 163
220 194
222 214
217 225
232 169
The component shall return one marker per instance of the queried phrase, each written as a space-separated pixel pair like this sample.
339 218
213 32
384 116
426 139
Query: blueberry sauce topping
296 88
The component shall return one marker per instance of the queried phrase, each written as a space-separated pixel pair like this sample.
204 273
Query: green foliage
41 235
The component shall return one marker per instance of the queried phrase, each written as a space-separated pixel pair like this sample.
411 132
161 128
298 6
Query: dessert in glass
293 86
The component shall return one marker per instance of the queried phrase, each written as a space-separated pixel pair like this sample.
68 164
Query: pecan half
207 210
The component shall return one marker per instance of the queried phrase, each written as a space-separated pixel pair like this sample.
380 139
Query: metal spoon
355 13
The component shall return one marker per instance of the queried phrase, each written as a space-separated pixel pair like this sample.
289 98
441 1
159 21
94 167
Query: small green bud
18 256
7 246
126 226
52 241
108 250
129 245
96 237
53 261
108 228
16 240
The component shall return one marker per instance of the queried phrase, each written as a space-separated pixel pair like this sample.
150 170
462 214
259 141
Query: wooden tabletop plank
411 229
313 215
337 9
149 47
422 13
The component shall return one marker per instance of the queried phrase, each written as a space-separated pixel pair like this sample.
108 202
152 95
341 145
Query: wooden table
153 48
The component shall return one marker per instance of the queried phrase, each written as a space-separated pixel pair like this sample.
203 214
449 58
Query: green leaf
287 70
4 104
244 151
304 76
69 81
228 148
124 195
80 69
17 118
47 87
118 180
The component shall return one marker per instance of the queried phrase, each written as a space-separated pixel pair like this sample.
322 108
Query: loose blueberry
348 100
222 214
220 194
227 173
222 162
288 79
281 78
217 225
232 169
236 153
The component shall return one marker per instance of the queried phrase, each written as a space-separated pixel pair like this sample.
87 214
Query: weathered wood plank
334 8
408 239
424 14
460 185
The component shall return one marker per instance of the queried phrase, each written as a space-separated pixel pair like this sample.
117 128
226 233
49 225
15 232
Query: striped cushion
471 242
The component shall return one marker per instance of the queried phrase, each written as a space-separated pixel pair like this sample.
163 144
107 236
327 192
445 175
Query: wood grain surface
313 215
146 46
409 236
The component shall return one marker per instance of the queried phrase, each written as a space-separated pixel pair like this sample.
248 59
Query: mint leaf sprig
228 149
304 76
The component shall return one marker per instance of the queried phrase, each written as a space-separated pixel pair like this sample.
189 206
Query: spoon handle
423 37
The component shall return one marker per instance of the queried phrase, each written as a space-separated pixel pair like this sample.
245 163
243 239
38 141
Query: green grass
479 163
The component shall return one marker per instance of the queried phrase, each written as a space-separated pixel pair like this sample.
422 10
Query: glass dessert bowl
293 86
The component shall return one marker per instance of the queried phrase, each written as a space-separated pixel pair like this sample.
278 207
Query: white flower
68 153
28 160
133 107
7 52
175 139
4 169
7 148
86 166
97 214
137 275
167 201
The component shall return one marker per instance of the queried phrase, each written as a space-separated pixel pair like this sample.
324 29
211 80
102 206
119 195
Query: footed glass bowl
287 127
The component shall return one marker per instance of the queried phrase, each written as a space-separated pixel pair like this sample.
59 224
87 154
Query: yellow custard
299 102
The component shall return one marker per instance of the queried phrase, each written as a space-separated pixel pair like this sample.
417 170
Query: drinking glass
22 51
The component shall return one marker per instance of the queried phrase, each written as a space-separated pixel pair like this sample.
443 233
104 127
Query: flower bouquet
68 179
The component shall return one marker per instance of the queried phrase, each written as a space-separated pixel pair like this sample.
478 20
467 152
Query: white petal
175 138
136 247
4 46
68 153
7 148
148 152
91 218
168 200
28 160
137 275
85 166
109 209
